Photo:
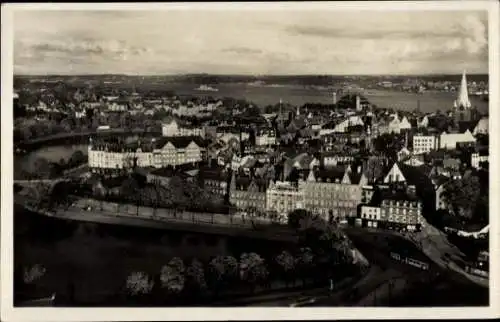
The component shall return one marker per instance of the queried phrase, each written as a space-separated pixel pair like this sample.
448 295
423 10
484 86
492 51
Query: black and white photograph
223 155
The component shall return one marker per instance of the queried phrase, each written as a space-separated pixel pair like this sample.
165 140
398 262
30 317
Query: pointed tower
462 100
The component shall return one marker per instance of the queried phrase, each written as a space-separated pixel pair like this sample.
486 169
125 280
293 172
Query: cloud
81 48
258 42
243 50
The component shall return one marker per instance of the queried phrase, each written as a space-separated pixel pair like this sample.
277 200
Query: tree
139 283
296 216
130 191
222 271
252 269
42 167
304 262
273 216
195 276
172 276
33 273
77 158
463 195
287 264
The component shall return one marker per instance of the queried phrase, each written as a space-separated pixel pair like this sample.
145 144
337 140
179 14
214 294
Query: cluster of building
313 160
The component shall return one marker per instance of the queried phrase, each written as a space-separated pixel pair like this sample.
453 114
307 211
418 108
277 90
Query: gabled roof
467 125
331 174
414 175
245 182
180 142
439 180
355 177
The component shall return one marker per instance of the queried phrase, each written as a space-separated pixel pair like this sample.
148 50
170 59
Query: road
393 283
167 219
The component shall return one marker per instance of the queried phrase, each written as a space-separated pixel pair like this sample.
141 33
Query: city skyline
261 43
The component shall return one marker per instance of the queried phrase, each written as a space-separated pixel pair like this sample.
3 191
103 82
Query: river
299 95
54 153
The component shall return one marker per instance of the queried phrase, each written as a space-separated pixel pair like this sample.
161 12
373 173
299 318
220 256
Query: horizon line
243 75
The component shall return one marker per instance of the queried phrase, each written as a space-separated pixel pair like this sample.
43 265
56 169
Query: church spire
463 96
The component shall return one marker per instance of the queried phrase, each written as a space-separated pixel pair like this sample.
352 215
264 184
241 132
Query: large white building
173 129
284 197
333 192
424 144
450 140
372 214
160 153
342 126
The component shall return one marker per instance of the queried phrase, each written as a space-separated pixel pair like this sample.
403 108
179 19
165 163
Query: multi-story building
173 129
395 125
342 126
478 157
248 192
333 159
450 141
265 137
424 143
284 197
160 153
215 179
371 214
400 210
334 192
118 107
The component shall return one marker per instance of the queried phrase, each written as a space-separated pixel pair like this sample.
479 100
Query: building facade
450 141
284 197
158 154
424 144
248 193
478 157
265 137
371 214
332 193
173 129
401 213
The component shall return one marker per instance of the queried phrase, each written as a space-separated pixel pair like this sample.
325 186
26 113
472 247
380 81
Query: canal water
97 258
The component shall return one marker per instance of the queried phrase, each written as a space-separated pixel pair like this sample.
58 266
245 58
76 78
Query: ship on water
206 88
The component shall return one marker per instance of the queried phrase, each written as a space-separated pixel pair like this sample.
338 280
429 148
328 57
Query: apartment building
214 179
174 129
399 210
284 197
248 192
449 141
424 144
334 192
159 153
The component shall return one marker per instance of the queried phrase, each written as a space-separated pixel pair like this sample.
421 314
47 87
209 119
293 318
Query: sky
254 42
